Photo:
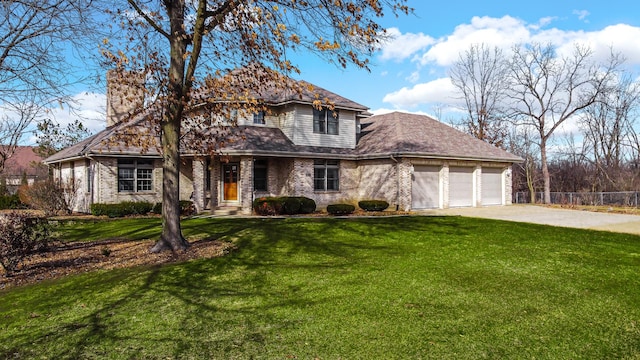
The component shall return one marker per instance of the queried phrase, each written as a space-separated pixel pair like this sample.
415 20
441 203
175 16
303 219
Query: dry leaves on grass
74 258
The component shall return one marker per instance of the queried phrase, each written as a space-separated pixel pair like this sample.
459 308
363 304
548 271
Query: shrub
373 205
268 206
21 235
289 205
49 196
186 208
124 208
340 209
10 202
307 206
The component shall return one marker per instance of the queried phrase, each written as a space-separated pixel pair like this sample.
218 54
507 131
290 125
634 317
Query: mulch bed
64 259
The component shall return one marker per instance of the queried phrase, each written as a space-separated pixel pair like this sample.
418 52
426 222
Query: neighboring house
23 164
411 161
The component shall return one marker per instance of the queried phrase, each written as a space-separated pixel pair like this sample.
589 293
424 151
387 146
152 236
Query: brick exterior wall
378 180
198 166
186 179
366 179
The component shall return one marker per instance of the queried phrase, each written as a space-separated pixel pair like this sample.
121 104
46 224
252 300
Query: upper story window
326 175
258 118
135 175
325 121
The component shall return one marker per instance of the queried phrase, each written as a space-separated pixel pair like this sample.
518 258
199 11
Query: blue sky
410 72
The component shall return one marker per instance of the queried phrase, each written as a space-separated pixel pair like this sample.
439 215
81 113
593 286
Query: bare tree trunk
545 172
171 237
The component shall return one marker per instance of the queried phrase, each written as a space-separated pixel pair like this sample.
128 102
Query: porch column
246 184
445 185
198 184
404 182
508 185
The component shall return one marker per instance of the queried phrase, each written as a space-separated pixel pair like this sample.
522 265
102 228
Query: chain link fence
621 198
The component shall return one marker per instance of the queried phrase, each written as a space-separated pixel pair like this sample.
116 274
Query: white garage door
491 186
425 188
460 186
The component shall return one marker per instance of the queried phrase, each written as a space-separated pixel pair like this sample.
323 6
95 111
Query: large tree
479 75
609 133
182 41
548 89
34 39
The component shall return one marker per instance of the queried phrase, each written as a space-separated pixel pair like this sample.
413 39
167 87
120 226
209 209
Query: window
325 121
326 175
260 175
135 175
258 118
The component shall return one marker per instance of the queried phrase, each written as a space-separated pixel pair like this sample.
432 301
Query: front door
230 182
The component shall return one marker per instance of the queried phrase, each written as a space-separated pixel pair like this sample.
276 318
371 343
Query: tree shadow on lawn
230 302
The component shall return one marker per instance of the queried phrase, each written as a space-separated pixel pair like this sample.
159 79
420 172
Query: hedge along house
340 155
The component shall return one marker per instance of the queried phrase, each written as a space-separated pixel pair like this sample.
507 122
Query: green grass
382 288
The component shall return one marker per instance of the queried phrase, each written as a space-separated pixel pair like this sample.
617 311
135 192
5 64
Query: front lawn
381 288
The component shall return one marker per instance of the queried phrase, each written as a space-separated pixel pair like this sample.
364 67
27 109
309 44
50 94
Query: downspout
397 181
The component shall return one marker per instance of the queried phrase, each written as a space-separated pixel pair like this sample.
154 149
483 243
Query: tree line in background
520 100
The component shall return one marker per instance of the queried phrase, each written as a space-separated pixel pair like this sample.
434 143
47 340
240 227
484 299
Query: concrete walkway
551 216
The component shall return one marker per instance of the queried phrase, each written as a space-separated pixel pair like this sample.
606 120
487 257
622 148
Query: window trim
326 119
325 166
137 165
259 118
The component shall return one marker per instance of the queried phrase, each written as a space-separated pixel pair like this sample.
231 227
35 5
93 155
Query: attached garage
461 186
492 188
425 187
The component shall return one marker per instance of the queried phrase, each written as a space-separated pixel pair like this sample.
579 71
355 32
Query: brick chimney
125 95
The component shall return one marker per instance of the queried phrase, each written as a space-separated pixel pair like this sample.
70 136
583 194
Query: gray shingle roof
111 141
419 135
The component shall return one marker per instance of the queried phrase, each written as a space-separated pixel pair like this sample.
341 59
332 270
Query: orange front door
230 179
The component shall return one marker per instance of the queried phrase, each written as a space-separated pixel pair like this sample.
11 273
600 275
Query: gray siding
300 131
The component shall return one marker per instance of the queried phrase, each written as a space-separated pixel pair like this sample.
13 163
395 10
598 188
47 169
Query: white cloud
437 91
89 108
582 14
414 77
381 111
545 21
402 46
502 32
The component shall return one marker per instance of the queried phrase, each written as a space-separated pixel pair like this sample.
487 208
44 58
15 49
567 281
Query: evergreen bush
373 205
340 209
10 202
285 205
186 208
122 209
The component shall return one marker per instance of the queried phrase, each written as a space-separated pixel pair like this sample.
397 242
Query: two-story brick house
345 154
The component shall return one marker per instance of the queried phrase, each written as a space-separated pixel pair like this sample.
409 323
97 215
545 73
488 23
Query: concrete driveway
551 216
